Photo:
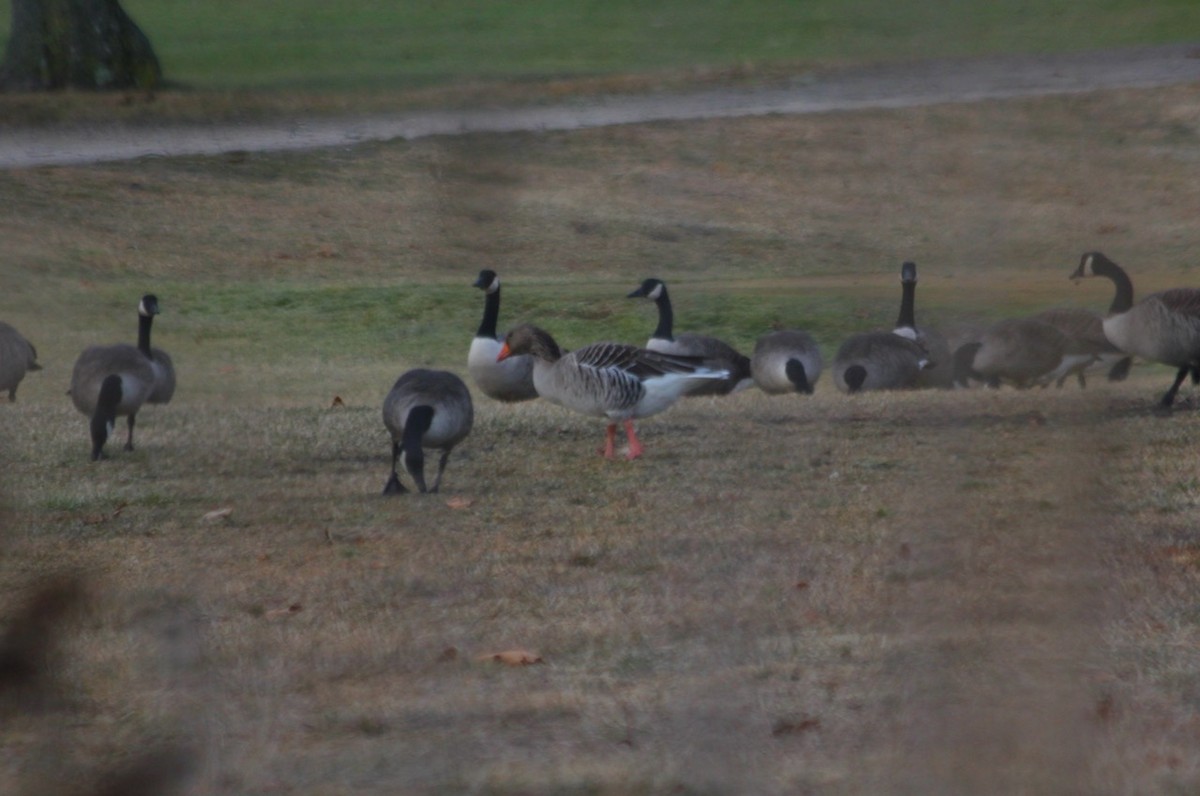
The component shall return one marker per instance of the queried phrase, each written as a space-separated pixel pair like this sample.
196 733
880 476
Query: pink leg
610 438
635 447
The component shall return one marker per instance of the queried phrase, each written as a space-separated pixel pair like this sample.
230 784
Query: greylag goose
1163 327
425 409
611 380
17 357
111 381
510 380
786 361
716 354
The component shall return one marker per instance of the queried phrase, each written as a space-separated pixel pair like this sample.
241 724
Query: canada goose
510 380
425 409
878 361
786 361
1163 327
1018 351
1085 347
934 343
114 380
611 380
17 357
716 354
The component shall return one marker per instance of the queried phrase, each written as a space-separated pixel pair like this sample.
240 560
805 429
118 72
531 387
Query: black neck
908 298
666 318
1123 297
144 322
491 314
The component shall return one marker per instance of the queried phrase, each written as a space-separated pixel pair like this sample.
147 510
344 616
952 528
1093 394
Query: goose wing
637 362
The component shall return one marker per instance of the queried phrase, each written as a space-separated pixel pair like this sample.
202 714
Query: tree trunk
82 44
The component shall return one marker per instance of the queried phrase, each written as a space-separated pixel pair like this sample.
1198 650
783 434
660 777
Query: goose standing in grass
17 357
511 379
1086 346
786 361
115 380
611 380
425 409
1163 327
934 343
1023 352
716 354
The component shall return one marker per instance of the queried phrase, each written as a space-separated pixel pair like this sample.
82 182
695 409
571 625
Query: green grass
360 45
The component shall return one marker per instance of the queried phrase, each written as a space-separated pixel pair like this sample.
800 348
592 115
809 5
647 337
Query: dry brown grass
984 592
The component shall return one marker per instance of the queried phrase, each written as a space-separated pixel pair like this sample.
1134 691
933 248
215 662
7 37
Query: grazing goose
1085 347
1163 327
611 380
786 361
114 380
425 409
716 354
934 343
1018 351
17 357
510 380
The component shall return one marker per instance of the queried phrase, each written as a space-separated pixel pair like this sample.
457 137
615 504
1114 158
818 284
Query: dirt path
892 86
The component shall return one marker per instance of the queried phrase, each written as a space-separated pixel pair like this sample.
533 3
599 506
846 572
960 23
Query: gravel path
906 85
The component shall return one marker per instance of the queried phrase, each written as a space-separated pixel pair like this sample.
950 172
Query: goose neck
1123 296
491 314
666 317
144 322
908 298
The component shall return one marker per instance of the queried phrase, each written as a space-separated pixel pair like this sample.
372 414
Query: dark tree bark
82 44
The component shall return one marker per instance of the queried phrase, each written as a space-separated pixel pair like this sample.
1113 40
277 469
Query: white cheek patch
494 286
1087 265
656 292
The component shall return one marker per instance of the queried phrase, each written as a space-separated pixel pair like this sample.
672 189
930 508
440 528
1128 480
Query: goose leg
129 439
393 485
635 447
610 439
1169 397
441 469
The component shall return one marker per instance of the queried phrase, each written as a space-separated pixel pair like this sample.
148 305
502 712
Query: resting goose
17 357
510 380
786 361
934 343
1163 327
716 354
111 381
425 409
611 380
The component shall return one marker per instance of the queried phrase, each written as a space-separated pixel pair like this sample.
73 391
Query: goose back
444 392
786 361
17 357
96 363
1019 351
1163 327
878 361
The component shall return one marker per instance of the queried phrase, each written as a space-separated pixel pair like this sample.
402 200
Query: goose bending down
1022 352
611 380
936 347
425 409
1086 346
786 361
115 380
511 379
17 357
716 354
1163 327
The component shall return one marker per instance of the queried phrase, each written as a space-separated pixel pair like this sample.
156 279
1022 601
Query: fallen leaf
449 654
275 613
801 585
337 401
216 515
795 726
459 503
512 657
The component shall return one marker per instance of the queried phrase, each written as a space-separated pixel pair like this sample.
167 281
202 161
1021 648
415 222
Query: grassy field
969 592
235 61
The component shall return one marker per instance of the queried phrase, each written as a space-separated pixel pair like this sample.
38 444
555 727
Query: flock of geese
621 383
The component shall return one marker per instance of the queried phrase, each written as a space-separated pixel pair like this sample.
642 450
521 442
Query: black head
651 289
148 306
487 281
908 272
1090 264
